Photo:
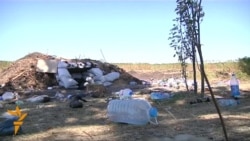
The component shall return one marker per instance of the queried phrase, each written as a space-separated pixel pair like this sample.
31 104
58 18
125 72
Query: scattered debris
156 96
75 101
125 94
38 71
39 99
200 100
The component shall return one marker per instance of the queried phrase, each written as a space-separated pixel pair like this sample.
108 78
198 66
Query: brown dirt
55 120
156 75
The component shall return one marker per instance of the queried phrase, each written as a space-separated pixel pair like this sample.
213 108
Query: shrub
244 65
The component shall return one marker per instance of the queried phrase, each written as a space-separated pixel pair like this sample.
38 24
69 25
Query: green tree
185 35
244 65
185 39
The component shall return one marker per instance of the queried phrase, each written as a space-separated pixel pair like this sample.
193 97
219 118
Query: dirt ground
55 120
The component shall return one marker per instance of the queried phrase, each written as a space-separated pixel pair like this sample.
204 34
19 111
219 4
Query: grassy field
213 70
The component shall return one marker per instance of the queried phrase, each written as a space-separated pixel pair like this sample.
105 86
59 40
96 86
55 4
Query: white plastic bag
8 96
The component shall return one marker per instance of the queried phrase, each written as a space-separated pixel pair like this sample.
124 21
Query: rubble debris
96 90
75 101
24 74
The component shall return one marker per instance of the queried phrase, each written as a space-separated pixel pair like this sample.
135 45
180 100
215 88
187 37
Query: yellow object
17 125
17 112
21 116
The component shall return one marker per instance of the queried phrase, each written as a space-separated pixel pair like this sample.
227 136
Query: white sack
63 72
62 64
8 96
67 82
96 71
101 79
112 76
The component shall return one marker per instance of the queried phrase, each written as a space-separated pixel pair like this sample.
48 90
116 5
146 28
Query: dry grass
56 121
213 70
4 65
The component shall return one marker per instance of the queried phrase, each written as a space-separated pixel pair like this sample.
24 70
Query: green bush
244 65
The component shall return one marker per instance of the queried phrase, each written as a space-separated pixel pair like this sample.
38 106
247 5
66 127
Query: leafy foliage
244 65
185 34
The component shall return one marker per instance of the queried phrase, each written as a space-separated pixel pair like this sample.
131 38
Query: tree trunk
194 68
201 61
200 53
216 105
184 73
202 70
193 48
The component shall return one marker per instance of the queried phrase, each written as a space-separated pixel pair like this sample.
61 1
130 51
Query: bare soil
55 120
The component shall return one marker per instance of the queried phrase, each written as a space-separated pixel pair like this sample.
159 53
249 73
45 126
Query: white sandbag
88 64
105 84
99 82
8 96
63 72
112 76
96 71
60 83
100 78
68 82
62 64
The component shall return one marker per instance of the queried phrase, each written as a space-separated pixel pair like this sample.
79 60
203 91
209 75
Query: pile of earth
22 74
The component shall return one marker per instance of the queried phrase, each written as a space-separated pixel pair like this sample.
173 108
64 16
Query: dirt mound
22 74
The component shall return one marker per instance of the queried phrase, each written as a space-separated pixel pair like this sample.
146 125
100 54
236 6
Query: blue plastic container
159 96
